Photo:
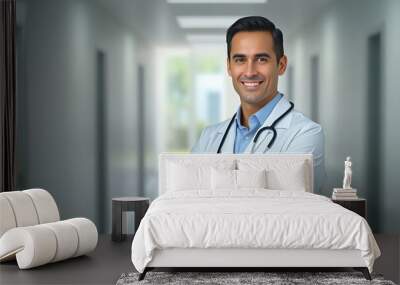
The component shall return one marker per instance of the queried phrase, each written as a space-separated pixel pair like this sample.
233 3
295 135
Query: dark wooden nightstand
358 206
139 205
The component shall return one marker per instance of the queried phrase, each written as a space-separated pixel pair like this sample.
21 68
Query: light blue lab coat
295 134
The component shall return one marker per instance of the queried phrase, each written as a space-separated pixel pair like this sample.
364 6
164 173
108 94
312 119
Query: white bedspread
251 218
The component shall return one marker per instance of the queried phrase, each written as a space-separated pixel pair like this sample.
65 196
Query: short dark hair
256 24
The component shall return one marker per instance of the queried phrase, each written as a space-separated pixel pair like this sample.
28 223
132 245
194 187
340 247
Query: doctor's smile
251 83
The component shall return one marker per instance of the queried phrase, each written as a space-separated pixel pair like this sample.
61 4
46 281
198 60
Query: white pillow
187 177
223 179
193 174
282 174
237 179
251 178
293 178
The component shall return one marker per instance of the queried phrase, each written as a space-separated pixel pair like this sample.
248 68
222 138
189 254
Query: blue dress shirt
244 135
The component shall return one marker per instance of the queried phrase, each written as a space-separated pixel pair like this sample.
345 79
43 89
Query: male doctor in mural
265 121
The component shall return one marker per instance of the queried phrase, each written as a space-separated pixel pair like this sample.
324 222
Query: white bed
247 211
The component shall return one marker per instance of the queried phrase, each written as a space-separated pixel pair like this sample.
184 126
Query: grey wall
340 36
61 39
147 58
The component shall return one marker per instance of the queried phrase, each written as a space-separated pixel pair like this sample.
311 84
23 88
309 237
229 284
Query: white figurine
347 174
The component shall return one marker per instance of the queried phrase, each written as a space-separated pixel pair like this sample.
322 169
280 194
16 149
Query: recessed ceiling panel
209 22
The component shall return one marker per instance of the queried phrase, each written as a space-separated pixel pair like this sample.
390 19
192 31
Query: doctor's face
254 68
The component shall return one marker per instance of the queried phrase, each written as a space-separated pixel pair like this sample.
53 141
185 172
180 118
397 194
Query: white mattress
251 218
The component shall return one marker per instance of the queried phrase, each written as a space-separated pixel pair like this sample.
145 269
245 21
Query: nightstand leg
116 222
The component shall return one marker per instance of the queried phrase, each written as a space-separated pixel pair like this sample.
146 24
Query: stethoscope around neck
270 128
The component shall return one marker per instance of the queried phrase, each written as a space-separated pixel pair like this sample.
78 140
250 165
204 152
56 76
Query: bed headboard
248 160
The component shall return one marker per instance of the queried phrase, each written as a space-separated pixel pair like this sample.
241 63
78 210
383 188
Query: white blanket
251 218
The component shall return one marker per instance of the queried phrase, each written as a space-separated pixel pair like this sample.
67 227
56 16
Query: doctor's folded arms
265 121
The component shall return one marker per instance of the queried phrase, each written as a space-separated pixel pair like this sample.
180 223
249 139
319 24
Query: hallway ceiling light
206 38
217 1
205 22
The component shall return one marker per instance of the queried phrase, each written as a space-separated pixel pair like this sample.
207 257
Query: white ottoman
31 232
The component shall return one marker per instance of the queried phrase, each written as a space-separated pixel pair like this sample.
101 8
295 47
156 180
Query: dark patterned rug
243 278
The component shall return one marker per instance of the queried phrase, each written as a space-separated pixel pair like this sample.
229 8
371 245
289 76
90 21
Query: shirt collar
258 118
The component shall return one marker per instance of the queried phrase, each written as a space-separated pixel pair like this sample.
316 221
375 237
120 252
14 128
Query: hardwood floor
110 260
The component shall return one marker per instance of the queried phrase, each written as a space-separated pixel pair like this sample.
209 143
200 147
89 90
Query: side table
358 206
126 204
